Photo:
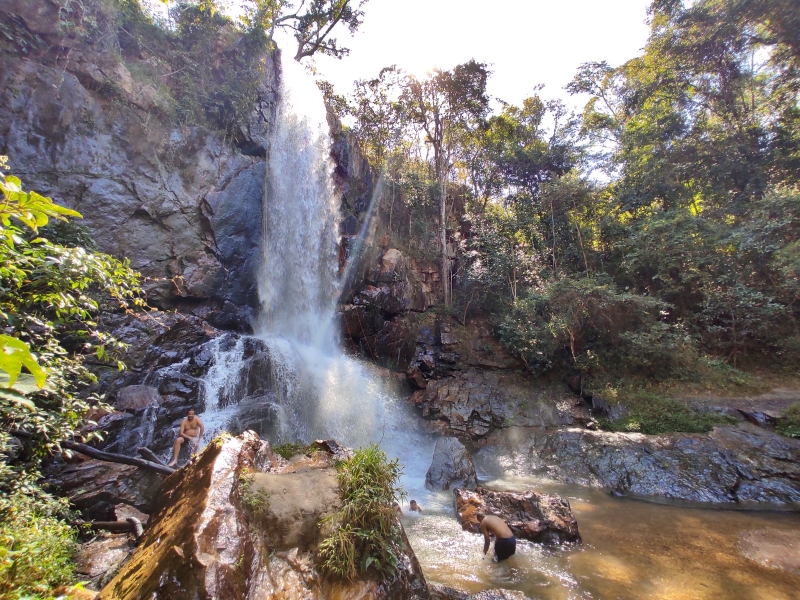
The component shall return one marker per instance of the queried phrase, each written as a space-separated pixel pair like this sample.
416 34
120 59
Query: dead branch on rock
158 467
117 458
151 456
131 524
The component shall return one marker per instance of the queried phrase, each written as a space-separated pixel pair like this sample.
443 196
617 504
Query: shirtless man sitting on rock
191 431
505 544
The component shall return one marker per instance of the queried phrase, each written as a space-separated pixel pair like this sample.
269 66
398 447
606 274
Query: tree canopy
659 224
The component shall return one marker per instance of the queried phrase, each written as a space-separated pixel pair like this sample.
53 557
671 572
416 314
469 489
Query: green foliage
36 547
692 247
289 450
50 297
364 533
255 501
589 325
653 413
789 422
499 264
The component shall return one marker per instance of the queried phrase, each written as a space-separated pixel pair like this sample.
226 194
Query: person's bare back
505 543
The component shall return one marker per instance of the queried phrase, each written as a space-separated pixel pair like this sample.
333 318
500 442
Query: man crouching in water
191 431
505 544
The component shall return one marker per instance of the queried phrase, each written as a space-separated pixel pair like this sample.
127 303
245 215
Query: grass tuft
365 531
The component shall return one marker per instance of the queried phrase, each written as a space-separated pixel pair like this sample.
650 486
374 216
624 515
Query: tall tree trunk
448 301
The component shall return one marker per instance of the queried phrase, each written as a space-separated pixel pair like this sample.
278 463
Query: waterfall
297 284
290 381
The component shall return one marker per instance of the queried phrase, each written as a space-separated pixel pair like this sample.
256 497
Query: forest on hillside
655 236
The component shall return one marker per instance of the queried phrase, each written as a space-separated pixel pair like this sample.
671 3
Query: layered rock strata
744 464
474 402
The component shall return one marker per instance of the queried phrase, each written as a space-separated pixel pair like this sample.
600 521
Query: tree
374 104
50 296
447 107
311 22
701 117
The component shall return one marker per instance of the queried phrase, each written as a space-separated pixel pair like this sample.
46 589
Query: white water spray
297 284
319 392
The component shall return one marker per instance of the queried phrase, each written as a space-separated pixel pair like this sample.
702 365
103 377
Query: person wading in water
191 431
505 544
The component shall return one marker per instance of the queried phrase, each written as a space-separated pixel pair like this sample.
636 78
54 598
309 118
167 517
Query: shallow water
630 549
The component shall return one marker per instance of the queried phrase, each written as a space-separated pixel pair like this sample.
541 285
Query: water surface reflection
631 549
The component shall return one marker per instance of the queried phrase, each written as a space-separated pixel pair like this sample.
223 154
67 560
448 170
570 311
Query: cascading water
315 390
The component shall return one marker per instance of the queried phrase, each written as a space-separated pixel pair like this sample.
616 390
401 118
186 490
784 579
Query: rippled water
631 549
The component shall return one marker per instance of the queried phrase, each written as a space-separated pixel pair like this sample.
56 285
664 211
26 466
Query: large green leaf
14 354
16 397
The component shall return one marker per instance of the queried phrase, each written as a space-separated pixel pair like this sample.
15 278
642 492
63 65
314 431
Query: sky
526 42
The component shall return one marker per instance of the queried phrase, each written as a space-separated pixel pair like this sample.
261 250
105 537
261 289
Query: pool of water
631 549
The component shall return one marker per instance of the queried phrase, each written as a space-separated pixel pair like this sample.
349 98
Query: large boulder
451 467
744 464
98 559
240 522
531 516
96 487
472 403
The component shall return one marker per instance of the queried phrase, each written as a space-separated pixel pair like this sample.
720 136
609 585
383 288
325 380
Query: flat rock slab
294 505
744 464
442 592
545 518
499 595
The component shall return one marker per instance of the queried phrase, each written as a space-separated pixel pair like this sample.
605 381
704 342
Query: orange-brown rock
532 516
239 522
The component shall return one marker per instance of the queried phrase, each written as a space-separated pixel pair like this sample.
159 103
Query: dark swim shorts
505 547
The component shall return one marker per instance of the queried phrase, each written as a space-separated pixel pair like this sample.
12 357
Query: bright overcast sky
526 42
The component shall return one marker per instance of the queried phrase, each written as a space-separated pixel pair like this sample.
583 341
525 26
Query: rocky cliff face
183 203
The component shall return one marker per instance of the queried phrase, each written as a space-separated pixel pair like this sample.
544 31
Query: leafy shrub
255 501
364 532
50 296
589 325
36 547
